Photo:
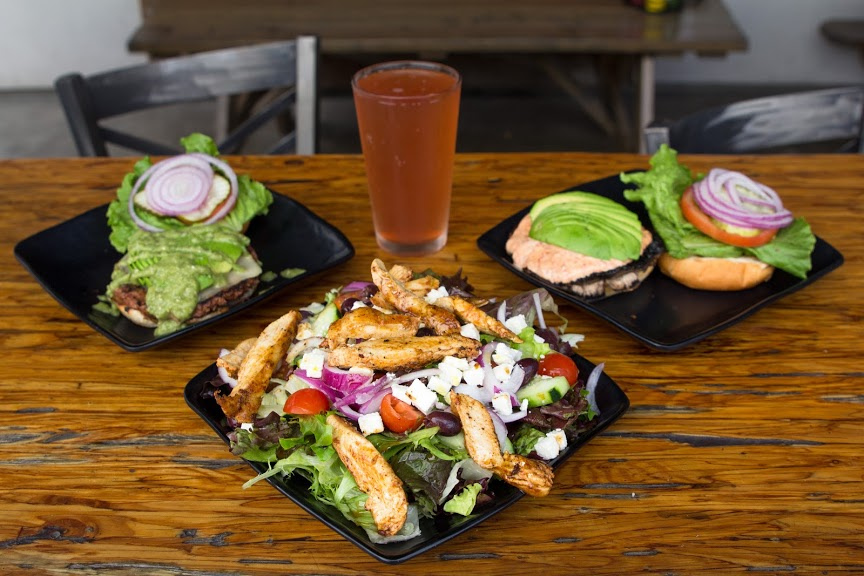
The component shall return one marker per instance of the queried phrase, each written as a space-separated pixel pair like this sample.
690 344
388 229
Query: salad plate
611 401
662 313
73 262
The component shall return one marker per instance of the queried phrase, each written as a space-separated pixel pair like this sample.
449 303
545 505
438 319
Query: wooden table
622 40
740 454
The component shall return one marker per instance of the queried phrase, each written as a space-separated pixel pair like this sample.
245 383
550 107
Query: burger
585 244
723 231
179 225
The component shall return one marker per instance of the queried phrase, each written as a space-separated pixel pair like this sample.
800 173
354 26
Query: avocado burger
723 231
587 244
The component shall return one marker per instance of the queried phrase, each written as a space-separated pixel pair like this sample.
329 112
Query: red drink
407 114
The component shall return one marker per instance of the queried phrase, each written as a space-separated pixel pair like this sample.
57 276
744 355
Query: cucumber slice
324 319
542 390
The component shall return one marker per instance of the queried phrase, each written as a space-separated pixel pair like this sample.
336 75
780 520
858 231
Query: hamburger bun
722 274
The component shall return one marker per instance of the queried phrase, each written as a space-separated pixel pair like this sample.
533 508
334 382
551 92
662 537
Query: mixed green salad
536 398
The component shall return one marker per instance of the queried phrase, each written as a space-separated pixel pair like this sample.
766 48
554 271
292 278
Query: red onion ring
735 199
188 166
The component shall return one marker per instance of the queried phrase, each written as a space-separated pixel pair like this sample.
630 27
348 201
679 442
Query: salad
408 397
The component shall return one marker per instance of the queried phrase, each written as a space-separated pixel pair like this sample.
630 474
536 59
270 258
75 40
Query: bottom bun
703 273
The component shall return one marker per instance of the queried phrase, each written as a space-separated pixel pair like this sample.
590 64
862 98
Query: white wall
785 47
41 39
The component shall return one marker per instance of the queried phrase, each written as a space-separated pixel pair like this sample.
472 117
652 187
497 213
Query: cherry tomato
306 401
556 364
706 225
399 416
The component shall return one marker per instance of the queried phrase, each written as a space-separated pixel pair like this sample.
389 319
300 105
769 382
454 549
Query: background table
621 39
741 454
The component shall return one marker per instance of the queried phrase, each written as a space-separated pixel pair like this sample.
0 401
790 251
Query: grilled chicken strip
232 361
393 291
386 498
480 438
257 368
468 312
534 477
367 323
409 353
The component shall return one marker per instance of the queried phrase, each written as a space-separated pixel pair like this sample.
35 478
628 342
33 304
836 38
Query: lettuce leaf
660 189
253 199
308 453
463 503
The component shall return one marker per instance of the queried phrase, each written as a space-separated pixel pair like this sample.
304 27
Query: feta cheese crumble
550 445
470 331
502 404
504 354
370 423
516 324
313 362
433 295
474 374
547 448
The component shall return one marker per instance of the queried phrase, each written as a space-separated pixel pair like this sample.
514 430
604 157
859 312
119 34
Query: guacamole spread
181 267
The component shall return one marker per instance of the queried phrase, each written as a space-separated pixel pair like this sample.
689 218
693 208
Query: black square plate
73 263
611 401
662 313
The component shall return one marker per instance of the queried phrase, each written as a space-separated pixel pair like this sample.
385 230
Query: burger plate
661 313
73 263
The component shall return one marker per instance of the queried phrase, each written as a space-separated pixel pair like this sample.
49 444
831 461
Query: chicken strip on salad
386 497
406 353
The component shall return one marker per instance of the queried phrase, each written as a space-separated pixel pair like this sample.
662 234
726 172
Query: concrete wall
42 39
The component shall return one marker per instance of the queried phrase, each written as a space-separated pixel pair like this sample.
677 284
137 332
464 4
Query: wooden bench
623 39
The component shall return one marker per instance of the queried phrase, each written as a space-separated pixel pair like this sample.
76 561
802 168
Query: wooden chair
789 122
290 66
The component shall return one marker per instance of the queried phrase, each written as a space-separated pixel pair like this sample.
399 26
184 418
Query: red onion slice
735 199
172 197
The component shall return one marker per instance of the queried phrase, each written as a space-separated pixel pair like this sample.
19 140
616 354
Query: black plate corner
611 400
73 261
662 313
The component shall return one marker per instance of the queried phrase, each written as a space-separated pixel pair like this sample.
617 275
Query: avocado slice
588 224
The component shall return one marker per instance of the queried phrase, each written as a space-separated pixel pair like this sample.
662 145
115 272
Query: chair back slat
289 66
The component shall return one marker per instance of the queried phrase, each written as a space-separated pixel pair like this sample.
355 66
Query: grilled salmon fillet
368 323
257 367
534 477
402 299
386 498
406 353
579 273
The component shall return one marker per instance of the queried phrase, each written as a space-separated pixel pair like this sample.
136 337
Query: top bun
724 274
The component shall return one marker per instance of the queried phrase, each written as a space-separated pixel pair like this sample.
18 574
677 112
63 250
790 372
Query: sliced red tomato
707 226
306 401
556 364
399 416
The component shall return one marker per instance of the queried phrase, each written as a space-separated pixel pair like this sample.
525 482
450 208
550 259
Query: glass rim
403 65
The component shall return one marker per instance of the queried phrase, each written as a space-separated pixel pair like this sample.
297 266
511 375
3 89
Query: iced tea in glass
407 113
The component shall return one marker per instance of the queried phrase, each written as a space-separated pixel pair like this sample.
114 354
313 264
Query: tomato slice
399 416
306 401
556 364
706 225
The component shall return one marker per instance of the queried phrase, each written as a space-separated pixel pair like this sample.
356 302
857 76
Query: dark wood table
622 39
739 455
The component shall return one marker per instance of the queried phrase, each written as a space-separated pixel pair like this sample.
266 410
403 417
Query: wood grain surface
740 454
